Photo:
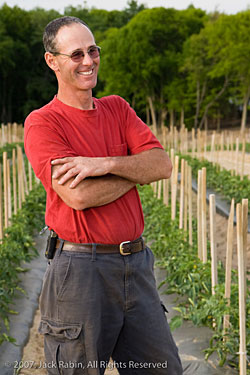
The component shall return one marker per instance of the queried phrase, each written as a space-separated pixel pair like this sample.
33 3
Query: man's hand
91 192
81 167
142 168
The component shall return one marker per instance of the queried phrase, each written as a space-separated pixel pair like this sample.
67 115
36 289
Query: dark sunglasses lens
93 52
77 56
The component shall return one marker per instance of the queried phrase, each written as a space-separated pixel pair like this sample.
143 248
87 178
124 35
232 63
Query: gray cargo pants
97 306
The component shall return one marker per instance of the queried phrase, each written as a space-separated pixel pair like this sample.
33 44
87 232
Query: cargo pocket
63 347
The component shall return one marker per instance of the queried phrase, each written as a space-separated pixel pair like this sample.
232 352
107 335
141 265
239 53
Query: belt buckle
121 248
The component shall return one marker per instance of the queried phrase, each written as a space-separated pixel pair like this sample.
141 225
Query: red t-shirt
111 129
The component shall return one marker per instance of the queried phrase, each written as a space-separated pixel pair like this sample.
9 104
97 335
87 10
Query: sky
226 6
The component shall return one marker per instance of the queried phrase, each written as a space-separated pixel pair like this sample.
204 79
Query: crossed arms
83 182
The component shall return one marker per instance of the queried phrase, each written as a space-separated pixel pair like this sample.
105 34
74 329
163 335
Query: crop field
181 220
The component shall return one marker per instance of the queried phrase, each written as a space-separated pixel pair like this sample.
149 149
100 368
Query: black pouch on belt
51 245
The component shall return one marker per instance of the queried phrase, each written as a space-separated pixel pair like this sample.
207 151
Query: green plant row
189 278
208 148
17 247
221 181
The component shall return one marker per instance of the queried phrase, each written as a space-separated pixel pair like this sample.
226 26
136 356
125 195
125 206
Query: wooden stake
229 255
3 135
14 180
245 230
213 151
204 217
242 288
199 214
205 144
30 176
159 189
217 155
232 146
174 187
172 175
14 137
164 136
243 152
212 216
186 140
182 194
190 210
198 141
21 195
24 175
193 142
9 132
9 192
1 205
5 189
185 196
166 192
237 157
155 188
176 139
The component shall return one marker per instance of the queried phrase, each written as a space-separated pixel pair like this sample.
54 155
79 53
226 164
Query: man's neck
80 100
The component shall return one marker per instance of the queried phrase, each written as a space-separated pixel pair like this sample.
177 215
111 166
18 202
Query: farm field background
186 73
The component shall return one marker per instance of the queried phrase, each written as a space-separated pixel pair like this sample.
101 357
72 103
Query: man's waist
124 248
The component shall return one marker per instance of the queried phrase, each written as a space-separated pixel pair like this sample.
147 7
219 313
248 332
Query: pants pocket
63 347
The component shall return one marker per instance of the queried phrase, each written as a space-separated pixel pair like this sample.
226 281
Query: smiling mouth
88 73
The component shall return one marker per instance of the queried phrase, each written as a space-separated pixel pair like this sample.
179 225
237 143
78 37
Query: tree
15 59
142 58
237 52
208 74
41 83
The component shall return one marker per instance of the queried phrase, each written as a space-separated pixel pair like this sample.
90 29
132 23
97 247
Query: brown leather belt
124 248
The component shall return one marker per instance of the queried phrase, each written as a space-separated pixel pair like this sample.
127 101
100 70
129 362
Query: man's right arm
92 192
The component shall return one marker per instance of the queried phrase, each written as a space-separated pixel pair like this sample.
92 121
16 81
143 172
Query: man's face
77 75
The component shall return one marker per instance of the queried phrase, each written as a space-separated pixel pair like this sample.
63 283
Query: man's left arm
141 168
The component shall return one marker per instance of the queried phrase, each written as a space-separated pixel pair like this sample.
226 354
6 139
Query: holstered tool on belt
51 245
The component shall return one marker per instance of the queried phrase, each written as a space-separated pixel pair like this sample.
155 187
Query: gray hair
51 30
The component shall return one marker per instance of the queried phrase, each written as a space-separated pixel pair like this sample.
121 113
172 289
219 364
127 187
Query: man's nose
87 60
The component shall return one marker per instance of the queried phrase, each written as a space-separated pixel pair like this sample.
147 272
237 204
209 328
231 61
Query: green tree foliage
26 82
217 65
101 20
167 63
141 60
235 55
41 82
15 58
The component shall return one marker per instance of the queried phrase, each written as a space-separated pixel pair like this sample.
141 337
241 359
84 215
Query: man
99 298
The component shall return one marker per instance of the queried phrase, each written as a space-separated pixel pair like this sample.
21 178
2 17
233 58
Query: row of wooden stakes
14 186
204 145
11 133
181 184
183 140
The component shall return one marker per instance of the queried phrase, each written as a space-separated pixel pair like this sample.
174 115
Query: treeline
25 80
172 66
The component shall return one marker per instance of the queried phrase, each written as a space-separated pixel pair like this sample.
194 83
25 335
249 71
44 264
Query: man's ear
51 61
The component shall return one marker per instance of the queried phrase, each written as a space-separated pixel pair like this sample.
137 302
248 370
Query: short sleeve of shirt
138 135
43 143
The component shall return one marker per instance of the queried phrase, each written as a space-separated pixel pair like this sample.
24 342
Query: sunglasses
78 55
